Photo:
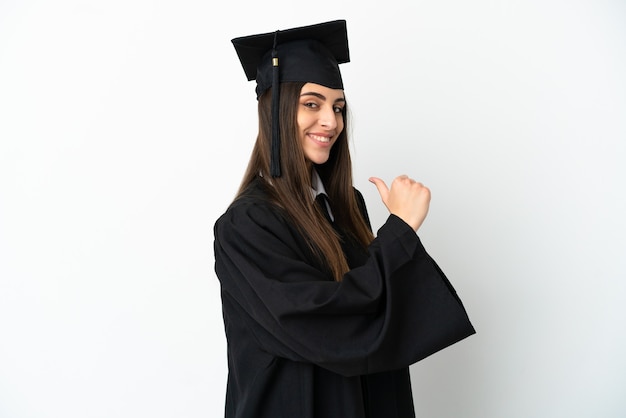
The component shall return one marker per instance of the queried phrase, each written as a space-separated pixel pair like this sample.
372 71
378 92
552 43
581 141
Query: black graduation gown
301 345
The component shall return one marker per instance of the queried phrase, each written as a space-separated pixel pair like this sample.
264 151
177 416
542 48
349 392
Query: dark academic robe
301 345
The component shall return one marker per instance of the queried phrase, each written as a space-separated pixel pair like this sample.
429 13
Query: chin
319 161
318 158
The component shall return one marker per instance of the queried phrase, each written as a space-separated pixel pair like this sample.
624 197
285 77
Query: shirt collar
317 187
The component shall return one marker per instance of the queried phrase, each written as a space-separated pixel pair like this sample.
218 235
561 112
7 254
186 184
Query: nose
328 117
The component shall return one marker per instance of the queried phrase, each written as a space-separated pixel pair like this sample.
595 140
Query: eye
310 105
338 109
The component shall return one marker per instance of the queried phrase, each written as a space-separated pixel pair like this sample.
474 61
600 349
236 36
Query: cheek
339 124
303 120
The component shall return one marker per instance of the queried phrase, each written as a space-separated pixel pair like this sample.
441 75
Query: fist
406 198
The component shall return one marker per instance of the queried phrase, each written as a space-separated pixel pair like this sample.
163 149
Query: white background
126 125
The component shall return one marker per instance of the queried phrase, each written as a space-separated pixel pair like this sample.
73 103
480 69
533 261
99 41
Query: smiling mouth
318 138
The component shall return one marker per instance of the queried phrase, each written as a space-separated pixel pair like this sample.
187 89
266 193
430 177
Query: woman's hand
407 199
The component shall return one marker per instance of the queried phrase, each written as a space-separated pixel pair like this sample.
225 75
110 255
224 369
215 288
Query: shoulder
359 197
252 209
254 229
360 201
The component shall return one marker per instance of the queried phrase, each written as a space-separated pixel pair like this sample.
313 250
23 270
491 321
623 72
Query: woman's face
320 120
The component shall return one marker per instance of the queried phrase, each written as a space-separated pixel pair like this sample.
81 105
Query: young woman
322 319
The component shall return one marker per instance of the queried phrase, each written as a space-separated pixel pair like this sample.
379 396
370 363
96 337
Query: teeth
320 138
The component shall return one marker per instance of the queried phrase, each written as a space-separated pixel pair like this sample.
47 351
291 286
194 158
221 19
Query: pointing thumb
382 188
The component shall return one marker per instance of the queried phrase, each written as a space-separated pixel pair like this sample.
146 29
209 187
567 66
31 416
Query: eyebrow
321 96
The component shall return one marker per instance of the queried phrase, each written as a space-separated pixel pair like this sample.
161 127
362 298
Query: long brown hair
292 190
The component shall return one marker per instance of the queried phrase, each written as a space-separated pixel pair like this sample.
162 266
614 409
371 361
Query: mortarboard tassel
275 151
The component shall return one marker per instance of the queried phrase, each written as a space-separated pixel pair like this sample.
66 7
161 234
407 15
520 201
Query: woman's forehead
327 92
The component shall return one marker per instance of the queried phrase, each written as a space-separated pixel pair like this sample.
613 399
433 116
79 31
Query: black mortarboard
309 54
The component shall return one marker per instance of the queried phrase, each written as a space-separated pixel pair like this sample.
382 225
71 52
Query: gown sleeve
395 309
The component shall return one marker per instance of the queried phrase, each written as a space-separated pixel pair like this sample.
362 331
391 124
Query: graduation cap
309 54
